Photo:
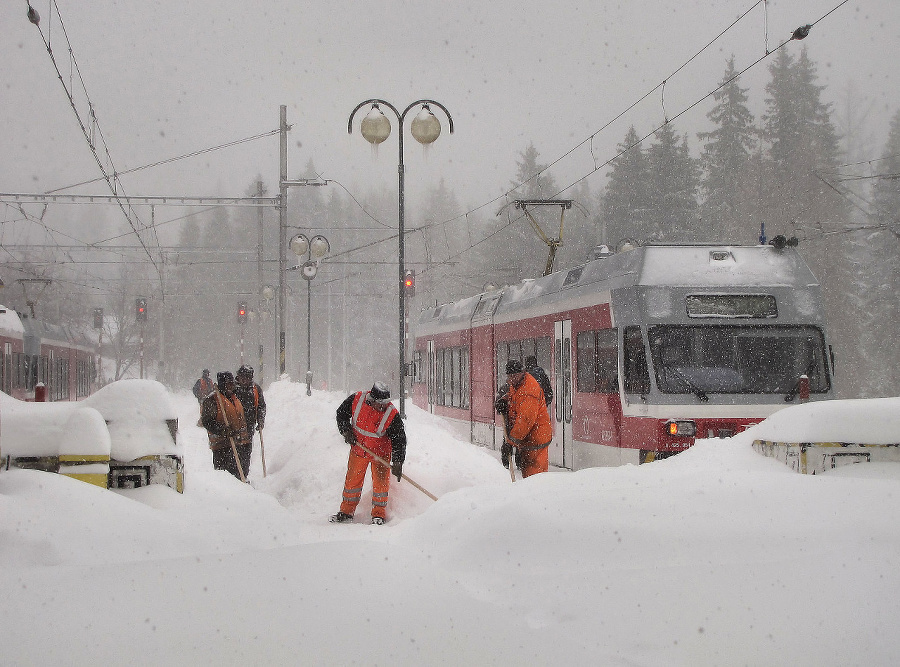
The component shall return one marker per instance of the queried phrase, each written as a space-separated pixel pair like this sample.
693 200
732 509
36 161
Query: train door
561 450
430 375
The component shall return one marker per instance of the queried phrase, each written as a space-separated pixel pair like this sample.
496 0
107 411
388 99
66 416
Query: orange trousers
533 461
353 484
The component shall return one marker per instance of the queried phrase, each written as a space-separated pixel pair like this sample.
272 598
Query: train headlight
685 429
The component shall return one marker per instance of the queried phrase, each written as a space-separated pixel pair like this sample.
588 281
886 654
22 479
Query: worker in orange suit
368 421
528 420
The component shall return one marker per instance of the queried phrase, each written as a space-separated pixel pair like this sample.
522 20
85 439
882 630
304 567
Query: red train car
647 349
34 352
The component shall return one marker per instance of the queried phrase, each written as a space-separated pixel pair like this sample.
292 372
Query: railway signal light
98 318
140 309
242 313
409 282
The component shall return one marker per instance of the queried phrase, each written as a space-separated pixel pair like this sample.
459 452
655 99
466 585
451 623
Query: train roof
53 333
701 266
10 324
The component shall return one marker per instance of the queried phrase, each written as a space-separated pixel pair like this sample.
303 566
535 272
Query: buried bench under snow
815 437
123 436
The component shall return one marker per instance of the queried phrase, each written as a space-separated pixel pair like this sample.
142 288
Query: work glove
505 450
349 438
519 458
501 405
397 469
259 426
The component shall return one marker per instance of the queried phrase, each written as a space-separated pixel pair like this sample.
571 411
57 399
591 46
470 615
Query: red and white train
647 349
34 352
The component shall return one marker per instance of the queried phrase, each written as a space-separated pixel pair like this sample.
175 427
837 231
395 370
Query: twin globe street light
376 128
315 249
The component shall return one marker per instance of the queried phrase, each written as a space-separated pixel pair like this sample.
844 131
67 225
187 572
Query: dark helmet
531 361
380 392
224 378
514 366
206 372
245 371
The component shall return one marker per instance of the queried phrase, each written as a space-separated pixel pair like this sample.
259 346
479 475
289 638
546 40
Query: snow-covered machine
123 436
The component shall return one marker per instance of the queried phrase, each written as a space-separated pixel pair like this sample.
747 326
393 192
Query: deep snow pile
716 556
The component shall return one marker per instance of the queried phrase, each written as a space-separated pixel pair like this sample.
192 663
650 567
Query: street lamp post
283 185
425 128
314 249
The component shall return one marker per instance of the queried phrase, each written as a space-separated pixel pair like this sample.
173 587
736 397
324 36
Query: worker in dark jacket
371 425
538 374
222 415
252 400
203 386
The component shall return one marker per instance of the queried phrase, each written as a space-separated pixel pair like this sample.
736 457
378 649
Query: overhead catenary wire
804 30
590 140
110 178
159 163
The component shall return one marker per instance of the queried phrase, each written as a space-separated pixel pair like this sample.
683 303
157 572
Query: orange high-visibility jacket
370 427
216 424
529 420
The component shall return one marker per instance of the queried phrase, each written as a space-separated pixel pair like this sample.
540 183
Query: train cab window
637 376
738 359
597 361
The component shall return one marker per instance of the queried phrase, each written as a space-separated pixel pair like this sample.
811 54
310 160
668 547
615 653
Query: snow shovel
237 461
388 465
262 452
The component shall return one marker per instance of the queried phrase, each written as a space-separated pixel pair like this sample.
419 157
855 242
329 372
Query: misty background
633 110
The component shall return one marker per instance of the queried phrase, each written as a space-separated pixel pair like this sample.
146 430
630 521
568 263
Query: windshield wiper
698 392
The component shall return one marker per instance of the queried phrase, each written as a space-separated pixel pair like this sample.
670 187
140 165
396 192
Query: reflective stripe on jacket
369 425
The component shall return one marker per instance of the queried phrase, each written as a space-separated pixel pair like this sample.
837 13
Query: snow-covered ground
718 556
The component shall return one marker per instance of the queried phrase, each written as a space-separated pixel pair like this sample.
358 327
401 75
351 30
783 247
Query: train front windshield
738 359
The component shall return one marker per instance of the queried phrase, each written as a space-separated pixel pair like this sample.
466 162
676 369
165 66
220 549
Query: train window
418 376
738 359
542 348
637 376
597 361
452 377
755 306
586 362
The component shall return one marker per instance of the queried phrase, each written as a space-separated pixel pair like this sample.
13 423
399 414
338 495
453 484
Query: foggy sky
168 78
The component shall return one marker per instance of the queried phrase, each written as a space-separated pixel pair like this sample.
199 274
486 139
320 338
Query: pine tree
673 178
625 205
803 149
803 144
886 193
532 179
728 181
886 244
580 230
519 251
